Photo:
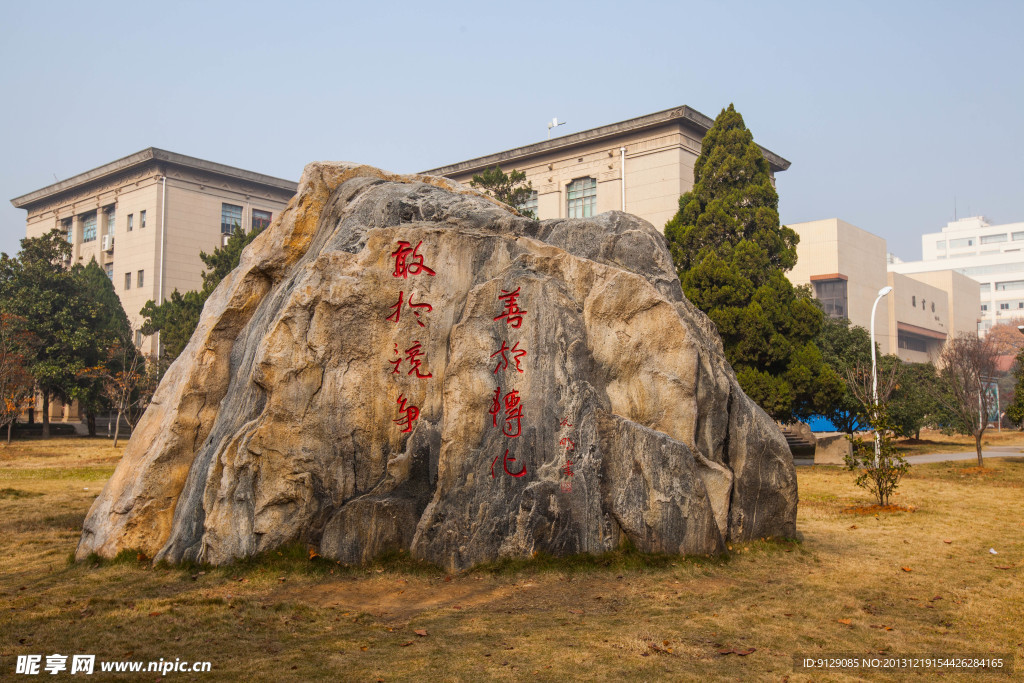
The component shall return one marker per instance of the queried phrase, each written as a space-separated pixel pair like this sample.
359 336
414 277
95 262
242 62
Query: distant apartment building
993 255
640 166
146 218
847 266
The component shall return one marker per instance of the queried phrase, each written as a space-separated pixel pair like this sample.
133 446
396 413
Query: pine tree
511 188
110 328
732 255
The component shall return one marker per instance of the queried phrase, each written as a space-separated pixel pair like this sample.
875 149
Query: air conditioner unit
224 240
108 243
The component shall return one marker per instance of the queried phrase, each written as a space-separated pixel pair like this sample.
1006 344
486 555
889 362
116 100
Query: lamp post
874 368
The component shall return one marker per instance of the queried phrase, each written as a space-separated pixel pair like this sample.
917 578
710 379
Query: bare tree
859 381
967 367
17 388
121 375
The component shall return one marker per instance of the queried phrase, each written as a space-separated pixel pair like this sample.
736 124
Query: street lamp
874 368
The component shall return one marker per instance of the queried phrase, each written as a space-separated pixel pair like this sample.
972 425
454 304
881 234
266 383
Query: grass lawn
934 441
901 583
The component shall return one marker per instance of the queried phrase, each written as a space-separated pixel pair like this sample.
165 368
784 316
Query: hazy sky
888 111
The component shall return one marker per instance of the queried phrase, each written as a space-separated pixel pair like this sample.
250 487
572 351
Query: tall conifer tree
732 256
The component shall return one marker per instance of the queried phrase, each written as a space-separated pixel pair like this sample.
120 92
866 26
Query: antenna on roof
554 123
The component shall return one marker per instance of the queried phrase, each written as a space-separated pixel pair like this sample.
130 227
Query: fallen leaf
422 632
155 614
1004 567
937 597
906 569
946 540
406 644
448 579
576 611
845 621
744 653
853 527
363 648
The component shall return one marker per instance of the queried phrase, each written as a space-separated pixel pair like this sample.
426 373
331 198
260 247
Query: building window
933 307
69 228
138 337
140 279
127 280
913 301
110 271
1008 285
984 307
961 243
142 219
230 218
993 239
131 222
1018 236
1004 307
582 199
89 228
832 296
260 219
110 221
941 244
912 342
530 205
986 287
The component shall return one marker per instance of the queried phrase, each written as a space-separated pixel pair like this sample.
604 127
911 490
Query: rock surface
321 401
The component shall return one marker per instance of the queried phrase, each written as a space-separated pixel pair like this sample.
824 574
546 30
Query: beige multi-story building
146 218
847 267
640 166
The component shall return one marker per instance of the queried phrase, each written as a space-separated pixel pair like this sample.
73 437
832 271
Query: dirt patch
980 471
877 509
400 600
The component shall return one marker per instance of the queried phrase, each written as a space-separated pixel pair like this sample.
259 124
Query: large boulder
400 362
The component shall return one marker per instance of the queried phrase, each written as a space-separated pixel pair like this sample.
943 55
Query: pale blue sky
887 110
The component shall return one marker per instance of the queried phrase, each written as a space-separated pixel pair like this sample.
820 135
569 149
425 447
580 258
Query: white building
847 266
991 254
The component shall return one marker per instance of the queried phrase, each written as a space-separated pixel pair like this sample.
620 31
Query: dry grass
934 441
903 583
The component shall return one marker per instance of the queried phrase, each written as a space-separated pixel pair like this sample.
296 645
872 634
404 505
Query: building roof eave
683 113
150 154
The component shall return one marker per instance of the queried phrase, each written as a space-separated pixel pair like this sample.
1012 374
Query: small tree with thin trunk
120 378
17 387
968 365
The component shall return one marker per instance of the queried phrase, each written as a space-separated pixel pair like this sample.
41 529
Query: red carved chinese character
513 314
397 315
417 313
397 308
517 353
569 444
564 422
513 413
568 468
412 355
396 362
505 461
405 266
411 413
495 407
